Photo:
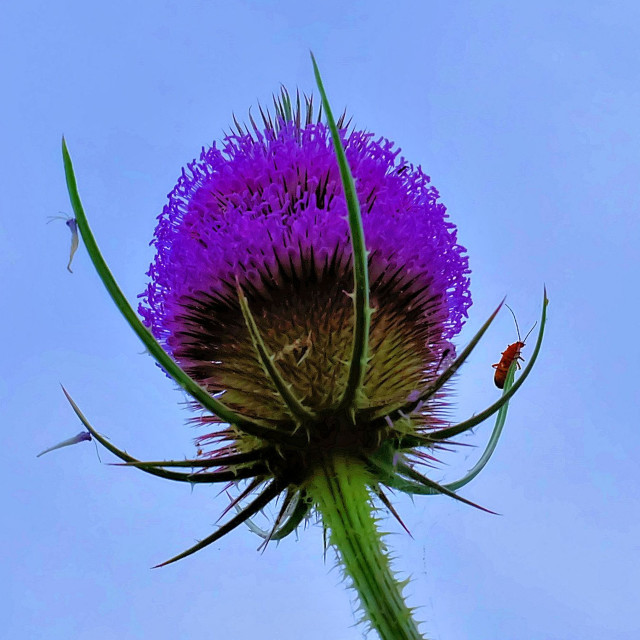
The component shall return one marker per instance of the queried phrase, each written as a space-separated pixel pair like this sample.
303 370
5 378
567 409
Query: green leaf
249 425
455 430
259 503
296 408
408 407
219 476
362 311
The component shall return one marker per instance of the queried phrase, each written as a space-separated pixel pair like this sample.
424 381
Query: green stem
339 488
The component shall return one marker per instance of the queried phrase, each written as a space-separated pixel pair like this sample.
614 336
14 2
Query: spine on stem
340 491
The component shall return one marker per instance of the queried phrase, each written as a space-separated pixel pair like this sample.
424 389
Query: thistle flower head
265 211
305 291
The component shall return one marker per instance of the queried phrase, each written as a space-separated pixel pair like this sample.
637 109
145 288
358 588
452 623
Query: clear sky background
526 116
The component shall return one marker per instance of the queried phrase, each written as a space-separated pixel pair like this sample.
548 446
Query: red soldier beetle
511 353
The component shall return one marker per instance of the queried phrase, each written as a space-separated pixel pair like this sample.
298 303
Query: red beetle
511 353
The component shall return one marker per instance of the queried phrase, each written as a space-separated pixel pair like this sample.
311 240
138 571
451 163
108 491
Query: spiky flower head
264 213
308 284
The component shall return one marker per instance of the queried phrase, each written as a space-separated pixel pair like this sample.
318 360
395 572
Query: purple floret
277 196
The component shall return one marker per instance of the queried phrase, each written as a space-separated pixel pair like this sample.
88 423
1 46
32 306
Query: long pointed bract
451 432
362 311
259 503
418 477
219 476
203 463
297 409
428 392
200 395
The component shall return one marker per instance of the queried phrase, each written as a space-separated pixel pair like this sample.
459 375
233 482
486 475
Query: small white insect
81 437
72 223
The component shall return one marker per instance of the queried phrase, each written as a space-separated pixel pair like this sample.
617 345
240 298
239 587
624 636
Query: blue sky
525 115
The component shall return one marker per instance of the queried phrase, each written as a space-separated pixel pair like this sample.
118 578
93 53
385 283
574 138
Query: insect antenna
516 321
518 328
530 330
95 444
64 216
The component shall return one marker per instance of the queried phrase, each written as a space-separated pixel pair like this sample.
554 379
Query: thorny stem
339 490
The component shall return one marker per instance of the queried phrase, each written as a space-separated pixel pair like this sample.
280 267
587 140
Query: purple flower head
266 208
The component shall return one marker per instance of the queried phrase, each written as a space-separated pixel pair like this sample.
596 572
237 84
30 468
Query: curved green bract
451 432
493 440
297 515
200 395
226 476
253 527
484 458
427 440
252 508
362 311
408 407
296 408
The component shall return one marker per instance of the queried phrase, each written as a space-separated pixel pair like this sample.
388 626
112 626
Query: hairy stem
339 488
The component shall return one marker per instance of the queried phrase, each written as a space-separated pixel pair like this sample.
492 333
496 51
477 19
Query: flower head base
308 284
